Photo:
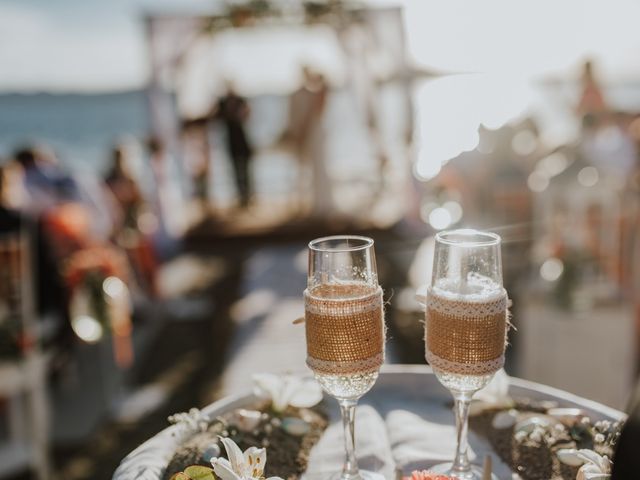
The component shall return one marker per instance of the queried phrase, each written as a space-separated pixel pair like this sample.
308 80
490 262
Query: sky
97 45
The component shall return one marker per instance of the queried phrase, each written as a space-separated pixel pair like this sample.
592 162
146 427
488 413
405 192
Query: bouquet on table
99 298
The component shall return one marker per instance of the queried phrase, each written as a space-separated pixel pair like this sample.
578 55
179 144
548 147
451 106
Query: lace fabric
466 337
367 365
345 332
479 368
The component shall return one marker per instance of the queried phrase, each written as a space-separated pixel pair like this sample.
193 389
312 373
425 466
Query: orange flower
426 475
105 261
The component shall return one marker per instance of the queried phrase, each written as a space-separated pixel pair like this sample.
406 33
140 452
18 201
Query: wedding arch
261 46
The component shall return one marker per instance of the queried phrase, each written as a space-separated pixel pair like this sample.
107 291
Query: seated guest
48 286
40 181
47 185
127 233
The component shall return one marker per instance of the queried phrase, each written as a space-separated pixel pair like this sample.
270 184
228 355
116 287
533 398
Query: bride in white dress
308 136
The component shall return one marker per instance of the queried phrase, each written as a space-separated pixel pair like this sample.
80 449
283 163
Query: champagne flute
466 325
344 326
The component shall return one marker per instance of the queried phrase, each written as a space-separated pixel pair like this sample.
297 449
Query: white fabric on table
372 447
404 441
418 442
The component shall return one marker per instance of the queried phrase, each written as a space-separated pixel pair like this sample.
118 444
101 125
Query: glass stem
461 410
348 410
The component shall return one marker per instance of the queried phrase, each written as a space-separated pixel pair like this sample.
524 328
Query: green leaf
180 476
197 472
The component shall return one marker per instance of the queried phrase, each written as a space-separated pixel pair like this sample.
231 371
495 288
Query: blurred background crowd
163 165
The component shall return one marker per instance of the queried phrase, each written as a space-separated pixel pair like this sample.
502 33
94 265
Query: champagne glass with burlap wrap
344 325
466 325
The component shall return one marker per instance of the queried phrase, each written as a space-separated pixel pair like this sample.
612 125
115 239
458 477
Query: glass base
361 475
475 473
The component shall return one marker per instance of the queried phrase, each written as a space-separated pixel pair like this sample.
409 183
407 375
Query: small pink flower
427 475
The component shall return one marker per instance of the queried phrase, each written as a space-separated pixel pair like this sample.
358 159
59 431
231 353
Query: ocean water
83 128
80 128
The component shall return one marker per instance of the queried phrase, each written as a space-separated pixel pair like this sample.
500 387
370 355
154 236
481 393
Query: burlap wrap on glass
345 336
466 337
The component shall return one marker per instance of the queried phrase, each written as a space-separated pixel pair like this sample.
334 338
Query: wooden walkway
265 340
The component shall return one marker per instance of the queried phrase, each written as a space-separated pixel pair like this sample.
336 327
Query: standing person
233 111
197 155
125 190
165 200
307 133
592 100
127 233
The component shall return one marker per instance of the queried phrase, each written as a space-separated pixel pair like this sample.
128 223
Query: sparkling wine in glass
344 325
466 325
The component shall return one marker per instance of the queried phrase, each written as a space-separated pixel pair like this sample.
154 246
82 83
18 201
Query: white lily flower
591 472
569 456
594 466
241 466
285 390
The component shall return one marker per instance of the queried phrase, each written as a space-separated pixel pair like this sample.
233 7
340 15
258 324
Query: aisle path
265 339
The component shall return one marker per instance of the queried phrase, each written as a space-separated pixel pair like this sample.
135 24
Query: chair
23 366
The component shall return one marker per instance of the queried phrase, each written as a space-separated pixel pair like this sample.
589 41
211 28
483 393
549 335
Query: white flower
193 420
241 466
594 466
285 390
245 420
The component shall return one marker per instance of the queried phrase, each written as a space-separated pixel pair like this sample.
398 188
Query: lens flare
440 218
551 269
87 328
588 176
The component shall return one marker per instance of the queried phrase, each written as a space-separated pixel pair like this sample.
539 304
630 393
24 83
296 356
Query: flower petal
589 456
222 468
591 472
255 458
307 394
290 385
267 385
605 464
236 458
569 456
274 478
